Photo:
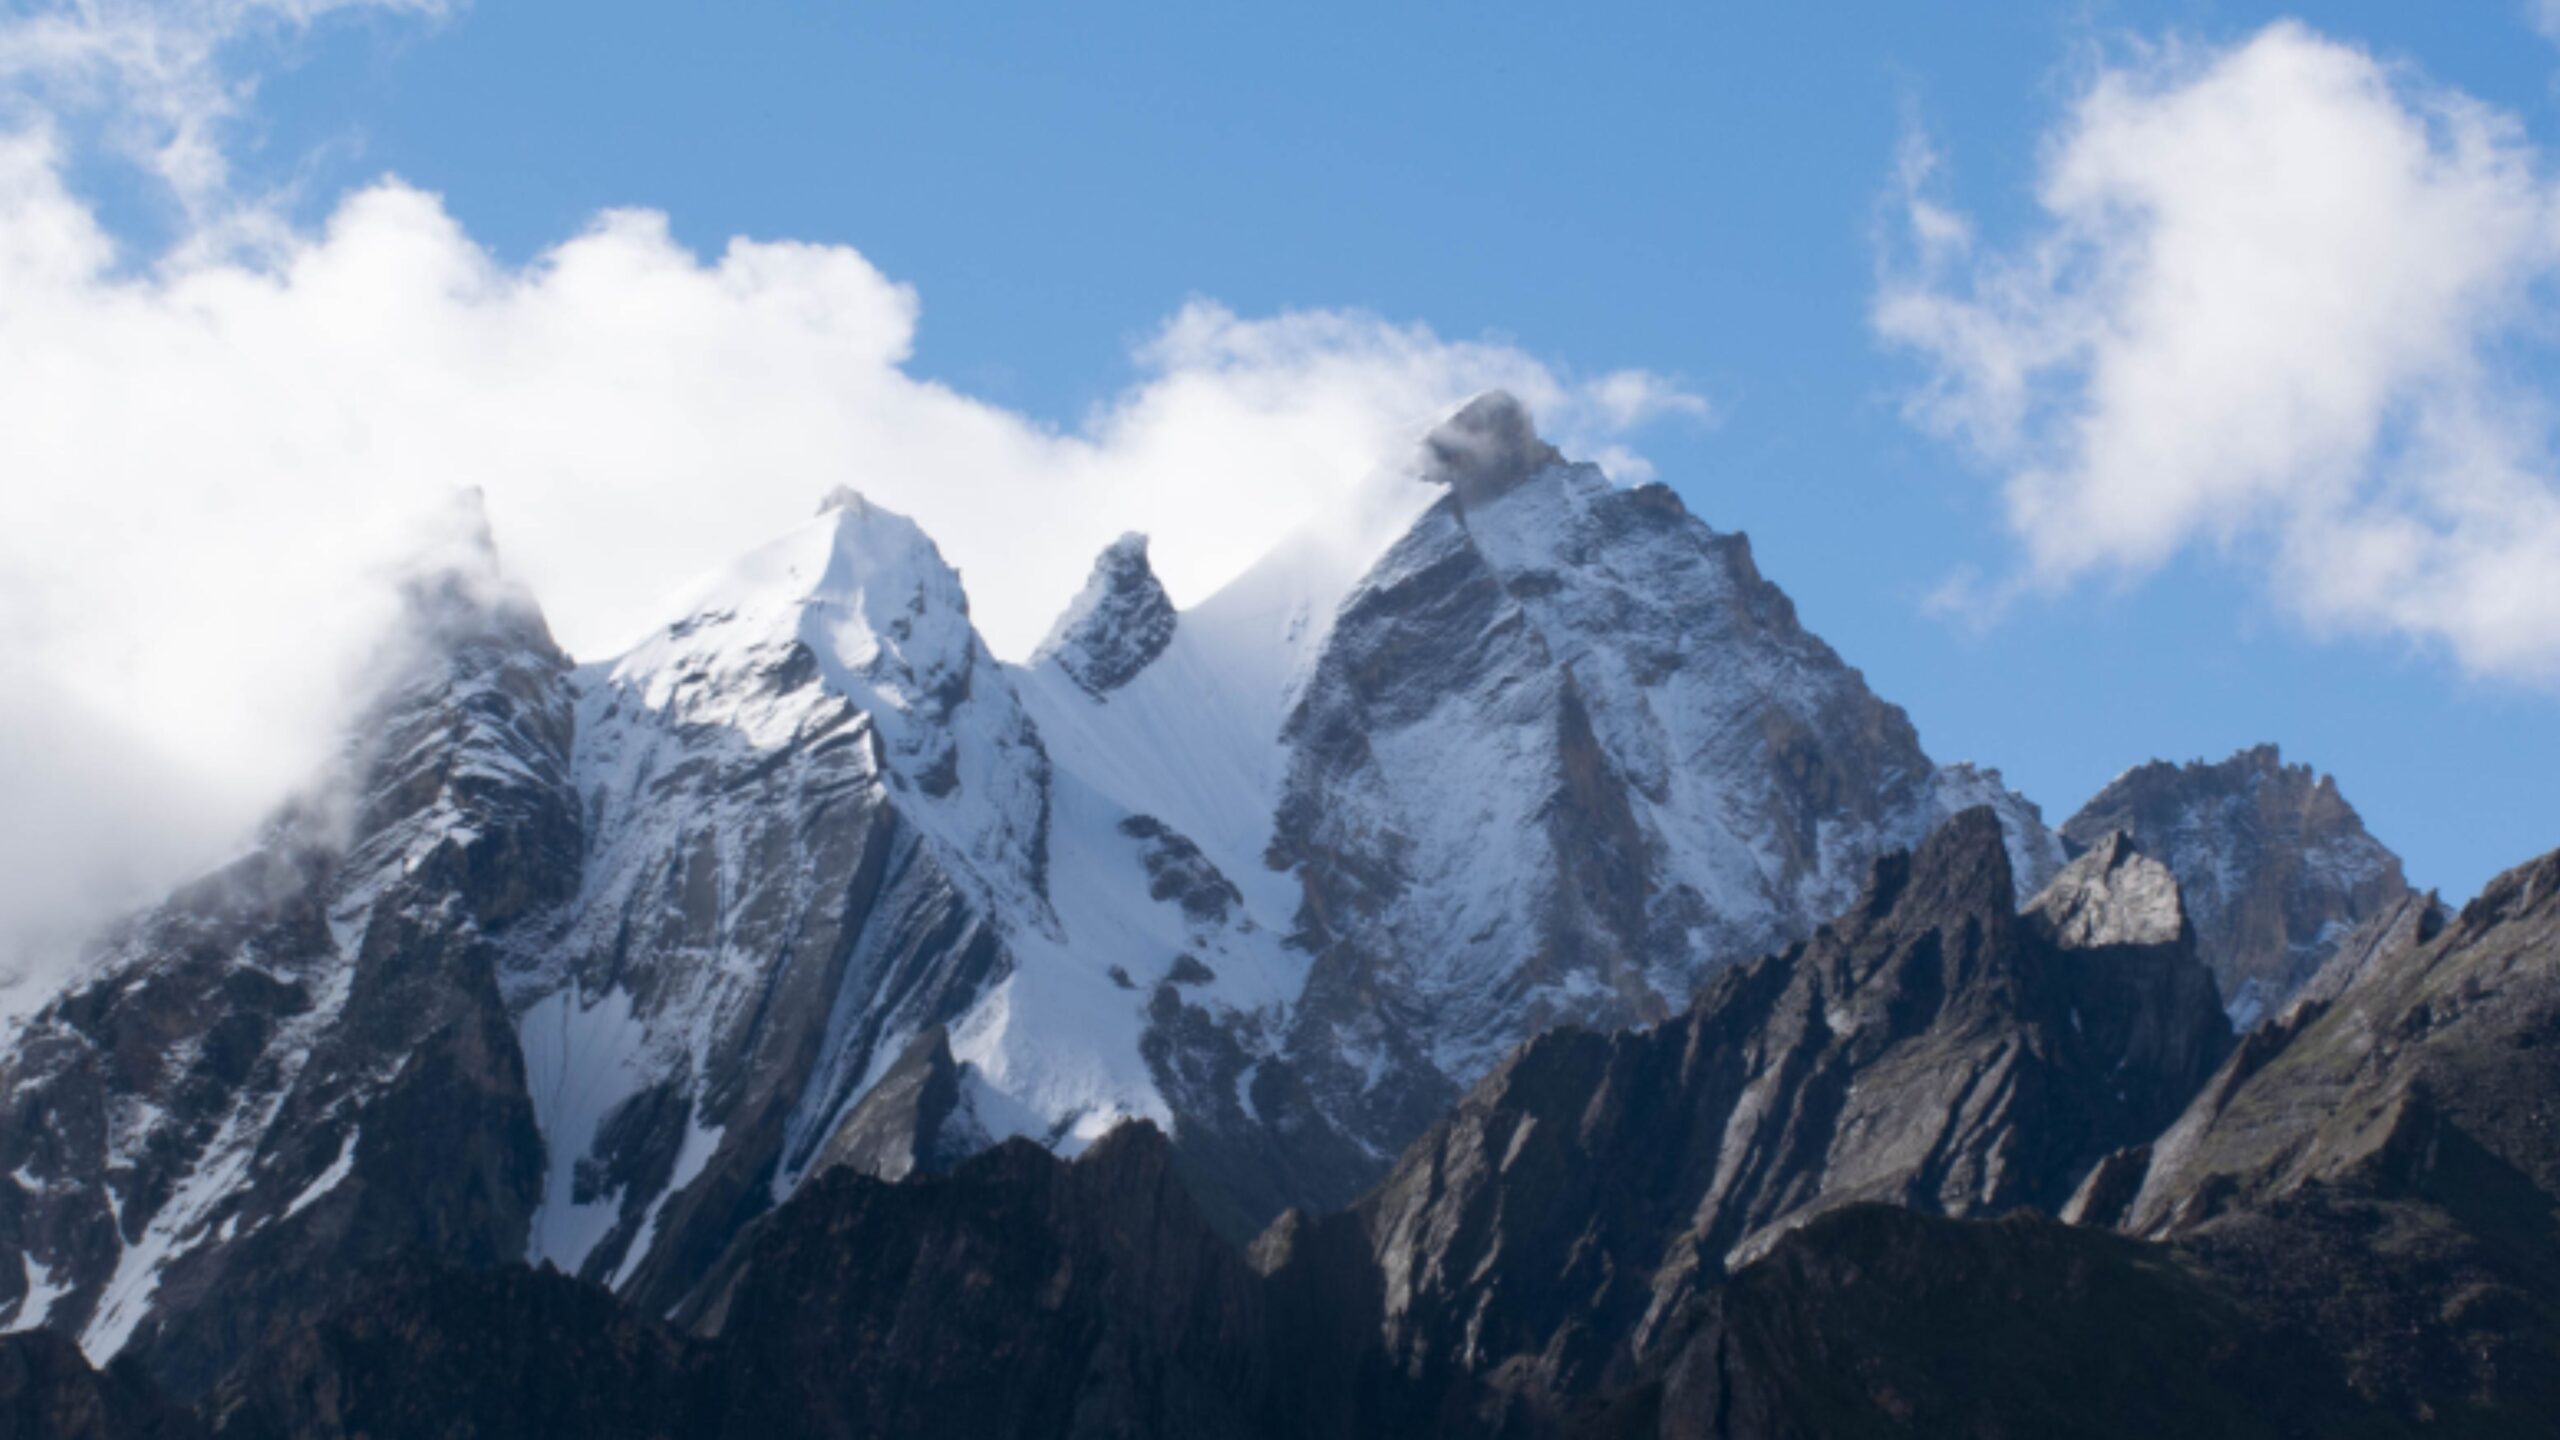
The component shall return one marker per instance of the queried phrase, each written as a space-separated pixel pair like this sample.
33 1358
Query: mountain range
1504 976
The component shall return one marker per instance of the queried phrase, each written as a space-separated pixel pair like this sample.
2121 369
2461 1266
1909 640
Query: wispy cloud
161 76
2544 17
2286 299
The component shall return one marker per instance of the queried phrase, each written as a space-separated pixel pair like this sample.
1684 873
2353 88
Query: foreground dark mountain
1018 1296
1873 1321
2276 866
2381 1167
1932 1048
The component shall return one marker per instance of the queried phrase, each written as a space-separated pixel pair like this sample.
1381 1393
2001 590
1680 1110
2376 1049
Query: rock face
2380 1167
1686 777
812 805
917 1117
1873 1321
1930 1048
2276 867
302 1063
1117 625
48 1389
1017 1296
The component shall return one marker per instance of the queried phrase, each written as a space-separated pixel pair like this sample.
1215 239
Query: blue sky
1698 191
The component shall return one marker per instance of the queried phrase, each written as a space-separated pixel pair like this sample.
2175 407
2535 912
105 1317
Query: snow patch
327 1180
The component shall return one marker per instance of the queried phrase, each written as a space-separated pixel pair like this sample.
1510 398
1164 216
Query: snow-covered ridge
1510 747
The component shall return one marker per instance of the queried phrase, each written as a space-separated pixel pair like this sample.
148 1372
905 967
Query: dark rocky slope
1659 1233
421 1350
1932 1048
2381 1166
301 1064
1873 1321
1017 1296
48 1391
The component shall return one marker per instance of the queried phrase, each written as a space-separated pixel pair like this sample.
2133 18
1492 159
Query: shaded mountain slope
302 1063
1932 1048
2381 1166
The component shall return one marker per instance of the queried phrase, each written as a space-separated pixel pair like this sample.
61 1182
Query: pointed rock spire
1117 625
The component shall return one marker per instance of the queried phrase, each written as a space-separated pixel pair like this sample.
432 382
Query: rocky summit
1499 975
2276 866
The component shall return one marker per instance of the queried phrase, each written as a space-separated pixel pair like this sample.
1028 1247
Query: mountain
302 1062
1554 756
812 805
1116 626
2348 1232
1931 1047
2276 867
593 965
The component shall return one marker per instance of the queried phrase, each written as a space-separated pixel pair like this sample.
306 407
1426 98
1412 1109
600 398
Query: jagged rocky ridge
595 965
2381 1164
1931 1048
2375 1265
302 1062
2276 866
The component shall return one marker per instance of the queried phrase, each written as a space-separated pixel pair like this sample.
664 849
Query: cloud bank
220 457
2284 299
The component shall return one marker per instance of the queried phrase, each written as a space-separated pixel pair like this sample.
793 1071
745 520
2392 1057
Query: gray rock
915 1118
2113 895
2379 1168
2275 865
1117 625
302 1063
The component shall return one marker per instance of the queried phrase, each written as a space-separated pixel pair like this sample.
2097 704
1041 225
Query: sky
2107 382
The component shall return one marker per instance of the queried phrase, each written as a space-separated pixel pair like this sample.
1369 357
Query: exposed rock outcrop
2276 867
1117 625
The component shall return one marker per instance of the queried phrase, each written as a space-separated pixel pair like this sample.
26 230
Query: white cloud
2280 300
155 72
2544 17
216 459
